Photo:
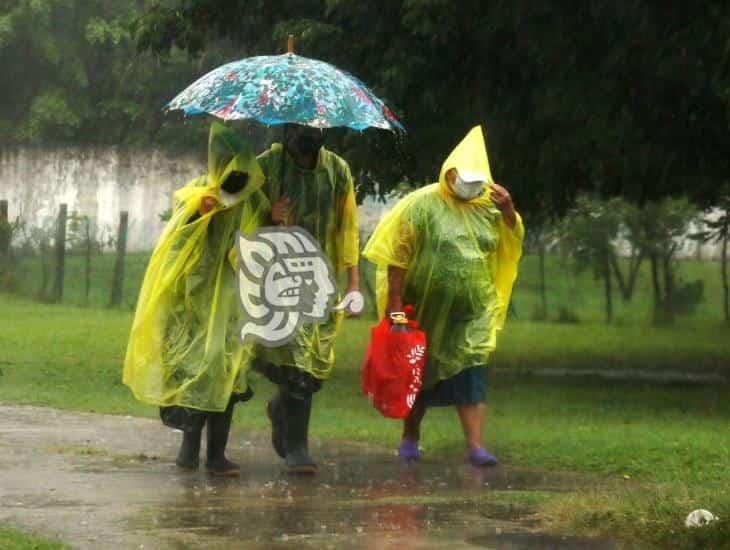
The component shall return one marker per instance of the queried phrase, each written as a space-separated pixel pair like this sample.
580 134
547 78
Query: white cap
469 176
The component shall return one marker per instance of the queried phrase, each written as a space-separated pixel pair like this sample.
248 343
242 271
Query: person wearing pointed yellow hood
451 250
184 354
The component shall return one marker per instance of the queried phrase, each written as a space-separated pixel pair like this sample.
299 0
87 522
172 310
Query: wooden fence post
4 229
118 279
60 253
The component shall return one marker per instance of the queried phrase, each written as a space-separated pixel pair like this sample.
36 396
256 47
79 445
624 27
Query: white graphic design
414 356
284 280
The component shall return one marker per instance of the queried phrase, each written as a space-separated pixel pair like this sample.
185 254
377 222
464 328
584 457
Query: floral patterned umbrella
286 89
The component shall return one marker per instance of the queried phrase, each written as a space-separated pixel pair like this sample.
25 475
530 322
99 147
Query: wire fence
70 260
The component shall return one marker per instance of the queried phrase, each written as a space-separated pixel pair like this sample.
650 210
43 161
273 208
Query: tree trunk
656 286
608 290
543 285
636 261
627 285
668 286
622 286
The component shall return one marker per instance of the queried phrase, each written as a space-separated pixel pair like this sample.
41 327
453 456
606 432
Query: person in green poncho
309 187
451 249
184 354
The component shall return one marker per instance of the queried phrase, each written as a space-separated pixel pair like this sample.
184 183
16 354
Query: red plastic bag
392 373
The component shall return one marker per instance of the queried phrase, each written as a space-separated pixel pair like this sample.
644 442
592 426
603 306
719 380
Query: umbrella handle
282 166
290 44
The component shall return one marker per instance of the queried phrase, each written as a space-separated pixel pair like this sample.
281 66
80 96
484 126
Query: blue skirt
469 387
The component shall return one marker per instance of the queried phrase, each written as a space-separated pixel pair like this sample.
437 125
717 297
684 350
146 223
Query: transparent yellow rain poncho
184 348
460 260
323 203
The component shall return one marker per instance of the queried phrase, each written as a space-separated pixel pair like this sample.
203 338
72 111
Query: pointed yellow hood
227 152
469 156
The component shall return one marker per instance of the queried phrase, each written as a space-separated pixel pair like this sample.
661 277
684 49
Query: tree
623 98
657 232
616 98
718 232
589 230
77 77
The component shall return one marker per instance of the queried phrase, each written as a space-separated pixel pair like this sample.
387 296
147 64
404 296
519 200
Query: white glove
352 302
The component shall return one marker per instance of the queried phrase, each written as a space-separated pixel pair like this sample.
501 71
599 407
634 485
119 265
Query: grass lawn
12 539
655 452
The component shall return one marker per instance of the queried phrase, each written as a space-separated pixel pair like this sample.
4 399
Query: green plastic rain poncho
184 348
460 260
323 203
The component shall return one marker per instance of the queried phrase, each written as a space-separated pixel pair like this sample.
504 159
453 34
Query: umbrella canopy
284 89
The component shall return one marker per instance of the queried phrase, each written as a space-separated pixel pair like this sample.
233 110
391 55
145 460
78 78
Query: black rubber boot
188 458
277 415
219 425
297 412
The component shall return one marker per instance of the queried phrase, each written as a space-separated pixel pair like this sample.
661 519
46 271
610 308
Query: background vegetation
625 98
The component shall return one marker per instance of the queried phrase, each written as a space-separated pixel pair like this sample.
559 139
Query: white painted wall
96 182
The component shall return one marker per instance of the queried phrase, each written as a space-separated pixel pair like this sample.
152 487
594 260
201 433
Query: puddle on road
90 478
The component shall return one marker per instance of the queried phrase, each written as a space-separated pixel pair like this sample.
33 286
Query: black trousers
192 420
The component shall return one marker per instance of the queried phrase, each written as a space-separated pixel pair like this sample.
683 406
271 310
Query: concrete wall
96 182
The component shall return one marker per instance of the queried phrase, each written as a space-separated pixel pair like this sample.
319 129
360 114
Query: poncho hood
469 156
228 152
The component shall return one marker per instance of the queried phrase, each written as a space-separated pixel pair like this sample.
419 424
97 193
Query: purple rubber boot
481 457
409 450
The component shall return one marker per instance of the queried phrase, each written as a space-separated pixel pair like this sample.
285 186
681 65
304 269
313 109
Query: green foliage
549 82
661 224
600 96
79 79
50 116
588 231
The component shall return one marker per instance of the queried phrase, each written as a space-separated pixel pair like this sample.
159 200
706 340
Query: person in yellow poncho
451 249
184 354
310 187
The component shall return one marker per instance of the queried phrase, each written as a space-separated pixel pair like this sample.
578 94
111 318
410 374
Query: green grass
584 296
580 294
663 450
687 346
13 539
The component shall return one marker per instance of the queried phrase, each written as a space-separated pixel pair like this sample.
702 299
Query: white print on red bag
414 357
416 354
